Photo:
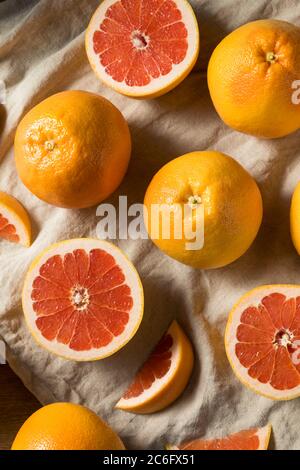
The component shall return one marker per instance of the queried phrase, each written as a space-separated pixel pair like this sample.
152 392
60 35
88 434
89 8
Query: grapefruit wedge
82 299
14 221
143 48
250 439
262 341
164 375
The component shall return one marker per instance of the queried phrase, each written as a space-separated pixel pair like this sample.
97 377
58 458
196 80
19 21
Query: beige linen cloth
42 52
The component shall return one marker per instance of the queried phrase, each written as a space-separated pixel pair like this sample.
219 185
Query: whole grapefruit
72 149
251 75
203 192
66 426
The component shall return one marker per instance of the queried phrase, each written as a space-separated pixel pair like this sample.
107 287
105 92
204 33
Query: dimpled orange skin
232 207
72 150
66 426
295 218
250 76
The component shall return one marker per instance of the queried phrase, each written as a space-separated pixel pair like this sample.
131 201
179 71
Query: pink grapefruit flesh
15 223
250 439
163 376
263 341
8 230
142 47
156 367
83 299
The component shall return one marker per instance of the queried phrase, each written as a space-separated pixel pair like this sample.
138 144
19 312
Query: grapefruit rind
167 389
240 371
132 277
294 219
161 85
263 435
14 212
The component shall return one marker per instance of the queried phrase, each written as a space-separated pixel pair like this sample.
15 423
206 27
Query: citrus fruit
66 426
82 299
250 78
143 48
14 221
209 192
163 376
72 149
250 439
262 341
295 218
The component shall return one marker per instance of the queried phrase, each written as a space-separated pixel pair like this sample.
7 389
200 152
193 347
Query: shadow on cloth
2 118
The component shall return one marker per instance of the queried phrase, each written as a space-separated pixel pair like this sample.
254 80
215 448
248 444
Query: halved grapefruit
250 439
143 48
262 341
14 221
82 299
164 375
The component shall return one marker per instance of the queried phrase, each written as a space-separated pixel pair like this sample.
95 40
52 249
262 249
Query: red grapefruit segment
143 48
82 299
8 231
262 341
164 375
251 439
15 224
156 367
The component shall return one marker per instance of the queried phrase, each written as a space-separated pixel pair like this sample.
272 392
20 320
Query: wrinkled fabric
42 52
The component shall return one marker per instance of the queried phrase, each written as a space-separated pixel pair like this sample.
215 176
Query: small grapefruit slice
143 48
250 439
164 375
82 299
14 221
262 341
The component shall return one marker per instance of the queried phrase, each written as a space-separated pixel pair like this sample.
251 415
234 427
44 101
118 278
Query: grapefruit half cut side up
15 224
250 439
164 375
143 48
82 299
262 341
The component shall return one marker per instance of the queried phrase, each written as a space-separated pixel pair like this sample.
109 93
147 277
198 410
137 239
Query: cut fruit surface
143 48
262 341
164 375
14 221
83 299
250 439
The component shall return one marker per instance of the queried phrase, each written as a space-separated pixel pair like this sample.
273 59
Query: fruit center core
194 200
80 297
139 40
283 338
49 145
271 57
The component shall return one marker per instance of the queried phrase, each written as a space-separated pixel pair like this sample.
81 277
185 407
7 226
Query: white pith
137 42
264 437
80 298
17 222
131 278
156 84
253 299
158 384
